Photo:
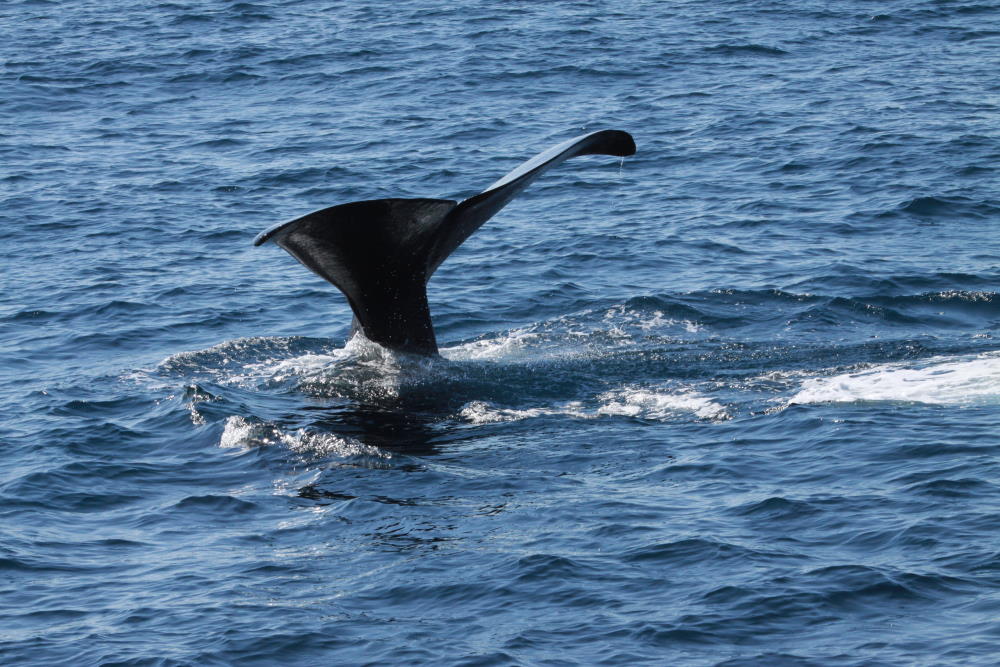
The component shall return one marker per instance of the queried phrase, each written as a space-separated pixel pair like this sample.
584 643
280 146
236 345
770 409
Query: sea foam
940 381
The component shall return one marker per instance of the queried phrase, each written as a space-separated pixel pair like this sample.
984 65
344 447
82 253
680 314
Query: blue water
733 400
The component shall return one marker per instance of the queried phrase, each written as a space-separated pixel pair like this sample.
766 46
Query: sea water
733 400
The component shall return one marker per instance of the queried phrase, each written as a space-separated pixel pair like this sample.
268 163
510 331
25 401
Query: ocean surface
731 401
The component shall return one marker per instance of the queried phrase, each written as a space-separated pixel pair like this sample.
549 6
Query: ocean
730 401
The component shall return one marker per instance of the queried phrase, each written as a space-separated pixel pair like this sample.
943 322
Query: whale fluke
381 253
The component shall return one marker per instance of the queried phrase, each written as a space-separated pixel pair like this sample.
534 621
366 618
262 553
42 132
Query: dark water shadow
388 428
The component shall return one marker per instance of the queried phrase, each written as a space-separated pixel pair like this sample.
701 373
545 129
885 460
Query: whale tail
381 253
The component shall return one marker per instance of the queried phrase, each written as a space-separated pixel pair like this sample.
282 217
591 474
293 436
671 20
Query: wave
929 207
747 49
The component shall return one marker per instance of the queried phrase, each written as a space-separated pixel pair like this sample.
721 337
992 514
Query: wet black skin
381 253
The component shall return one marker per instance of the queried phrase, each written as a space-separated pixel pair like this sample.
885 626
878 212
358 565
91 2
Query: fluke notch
381 253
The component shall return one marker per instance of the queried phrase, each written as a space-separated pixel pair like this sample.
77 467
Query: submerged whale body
381 253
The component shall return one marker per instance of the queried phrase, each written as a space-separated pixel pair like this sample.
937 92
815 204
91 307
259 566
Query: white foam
197 418
626 402
629 317
507 346
359 368
483 412
241 433
656 405
293 367
585 333
938 381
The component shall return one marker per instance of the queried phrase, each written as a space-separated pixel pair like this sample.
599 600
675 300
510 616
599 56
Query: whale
382 252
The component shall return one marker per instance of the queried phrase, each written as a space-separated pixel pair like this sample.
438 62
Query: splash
358 370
